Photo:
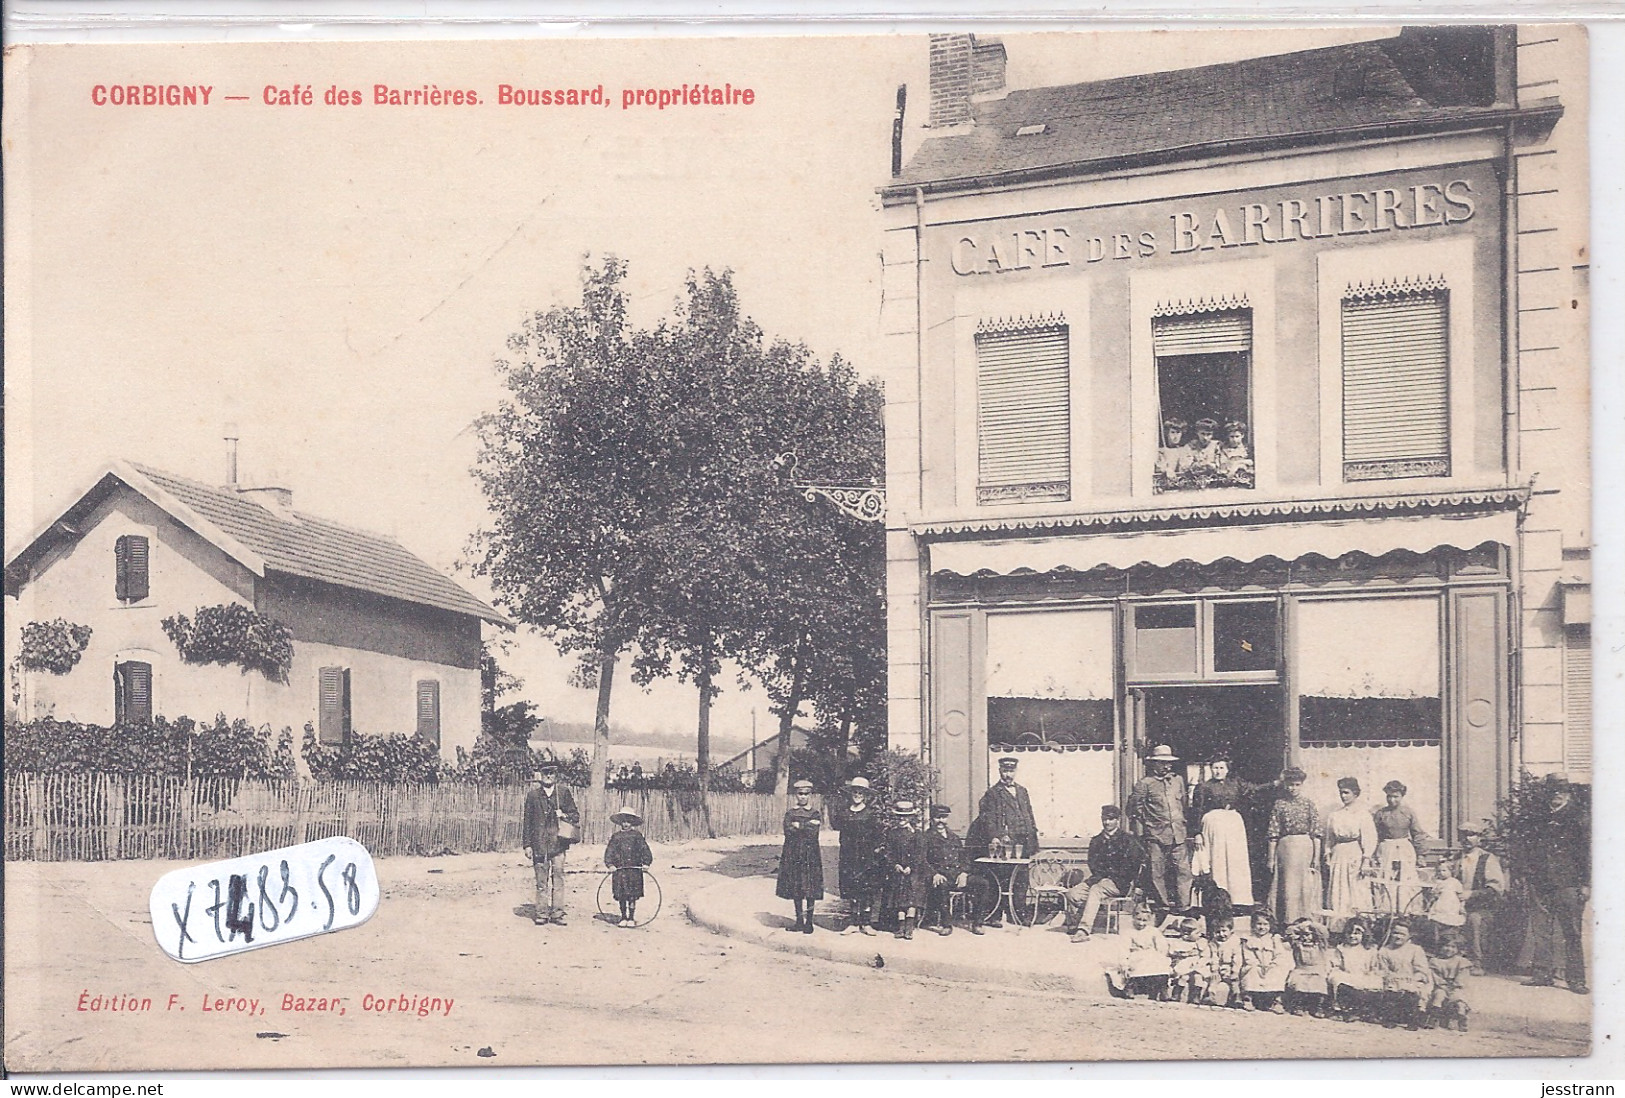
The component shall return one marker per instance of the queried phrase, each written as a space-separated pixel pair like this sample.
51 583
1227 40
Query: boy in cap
548 803
801 864
628 854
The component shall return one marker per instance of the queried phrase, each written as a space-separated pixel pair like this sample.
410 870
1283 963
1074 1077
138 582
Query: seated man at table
1116 860
946 855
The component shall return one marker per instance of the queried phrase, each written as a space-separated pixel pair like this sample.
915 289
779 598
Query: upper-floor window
333 706
1204 398
1023 411
132 691
429 711
1396 381
130 556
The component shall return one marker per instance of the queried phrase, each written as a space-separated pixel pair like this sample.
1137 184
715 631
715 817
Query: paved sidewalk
1042 958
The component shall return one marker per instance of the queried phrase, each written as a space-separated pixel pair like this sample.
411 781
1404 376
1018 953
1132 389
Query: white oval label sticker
230 906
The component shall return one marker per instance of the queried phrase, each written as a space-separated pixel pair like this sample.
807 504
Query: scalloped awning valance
1161 548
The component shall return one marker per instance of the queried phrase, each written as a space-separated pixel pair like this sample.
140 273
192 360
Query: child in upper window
1266 962
1200 461
1169 453
1235 459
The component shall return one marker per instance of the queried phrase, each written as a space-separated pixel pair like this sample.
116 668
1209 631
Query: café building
1242 408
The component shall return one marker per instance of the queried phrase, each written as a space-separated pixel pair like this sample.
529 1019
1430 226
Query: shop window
1023 412
132 692
1396 382
429 711
1050 722
1204 400
1245 636
1165 639
1577 702
333 713
130 557
1368 672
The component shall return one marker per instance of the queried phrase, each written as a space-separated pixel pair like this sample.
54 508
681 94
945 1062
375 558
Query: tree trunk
600 734
703 745
787 719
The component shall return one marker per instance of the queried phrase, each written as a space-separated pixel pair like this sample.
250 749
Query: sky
338 281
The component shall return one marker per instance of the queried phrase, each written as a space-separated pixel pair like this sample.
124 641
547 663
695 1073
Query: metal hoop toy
651 884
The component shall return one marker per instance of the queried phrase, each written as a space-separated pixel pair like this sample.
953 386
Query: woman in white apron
1221 844
1351 838
1399 834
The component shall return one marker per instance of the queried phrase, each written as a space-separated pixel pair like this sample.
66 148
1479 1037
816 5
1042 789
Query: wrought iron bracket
865 503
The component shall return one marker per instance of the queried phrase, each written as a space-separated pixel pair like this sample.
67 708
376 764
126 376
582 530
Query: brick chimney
963 70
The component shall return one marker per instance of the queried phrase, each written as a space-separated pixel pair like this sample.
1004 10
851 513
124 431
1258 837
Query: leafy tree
571 467
502 751
818 632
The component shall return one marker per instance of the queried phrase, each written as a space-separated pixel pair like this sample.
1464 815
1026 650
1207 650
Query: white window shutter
1023 413
1577 702
1396 385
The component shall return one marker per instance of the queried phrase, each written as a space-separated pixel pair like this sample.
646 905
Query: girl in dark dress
863 868
627 853
910 870
801 865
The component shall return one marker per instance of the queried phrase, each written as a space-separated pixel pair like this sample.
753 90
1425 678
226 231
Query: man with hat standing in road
548 804
1485 885
1006 811
1116 860
1156 813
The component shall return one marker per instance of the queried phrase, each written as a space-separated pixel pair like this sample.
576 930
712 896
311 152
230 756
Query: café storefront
1366 647
1209 444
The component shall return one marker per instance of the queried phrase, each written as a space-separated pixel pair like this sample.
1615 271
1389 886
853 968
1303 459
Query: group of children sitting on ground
1206 961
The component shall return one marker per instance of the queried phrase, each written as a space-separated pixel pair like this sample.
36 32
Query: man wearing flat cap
1006 810
1484 886
547 804
1116 860
1156 813
949 866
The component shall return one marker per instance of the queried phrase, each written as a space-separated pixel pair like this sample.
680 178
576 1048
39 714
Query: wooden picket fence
101 817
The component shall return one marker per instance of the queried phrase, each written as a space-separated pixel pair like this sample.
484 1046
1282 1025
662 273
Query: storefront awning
1284 541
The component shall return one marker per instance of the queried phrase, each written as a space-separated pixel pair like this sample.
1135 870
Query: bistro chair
1047 882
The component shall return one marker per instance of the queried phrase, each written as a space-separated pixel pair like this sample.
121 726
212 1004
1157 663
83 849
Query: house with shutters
1243 408
382 642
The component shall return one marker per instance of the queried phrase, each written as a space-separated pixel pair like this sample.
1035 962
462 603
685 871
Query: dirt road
588 993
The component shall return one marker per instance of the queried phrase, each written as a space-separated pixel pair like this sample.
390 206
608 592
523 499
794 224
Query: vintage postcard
941 547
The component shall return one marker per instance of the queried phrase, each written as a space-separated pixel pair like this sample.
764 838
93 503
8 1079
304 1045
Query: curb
706 910
709 908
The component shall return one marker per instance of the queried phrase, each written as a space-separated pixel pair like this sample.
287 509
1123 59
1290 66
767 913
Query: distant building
1371 260
382 642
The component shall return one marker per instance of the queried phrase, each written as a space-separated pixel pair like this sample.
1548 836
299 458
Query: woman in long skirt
1399 836
801 864
862 868
1295 851
1221 845
1351 838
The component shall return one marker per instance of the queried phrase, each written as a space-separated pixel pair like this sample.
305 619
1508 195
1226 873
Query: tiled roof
303 545
1423 76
